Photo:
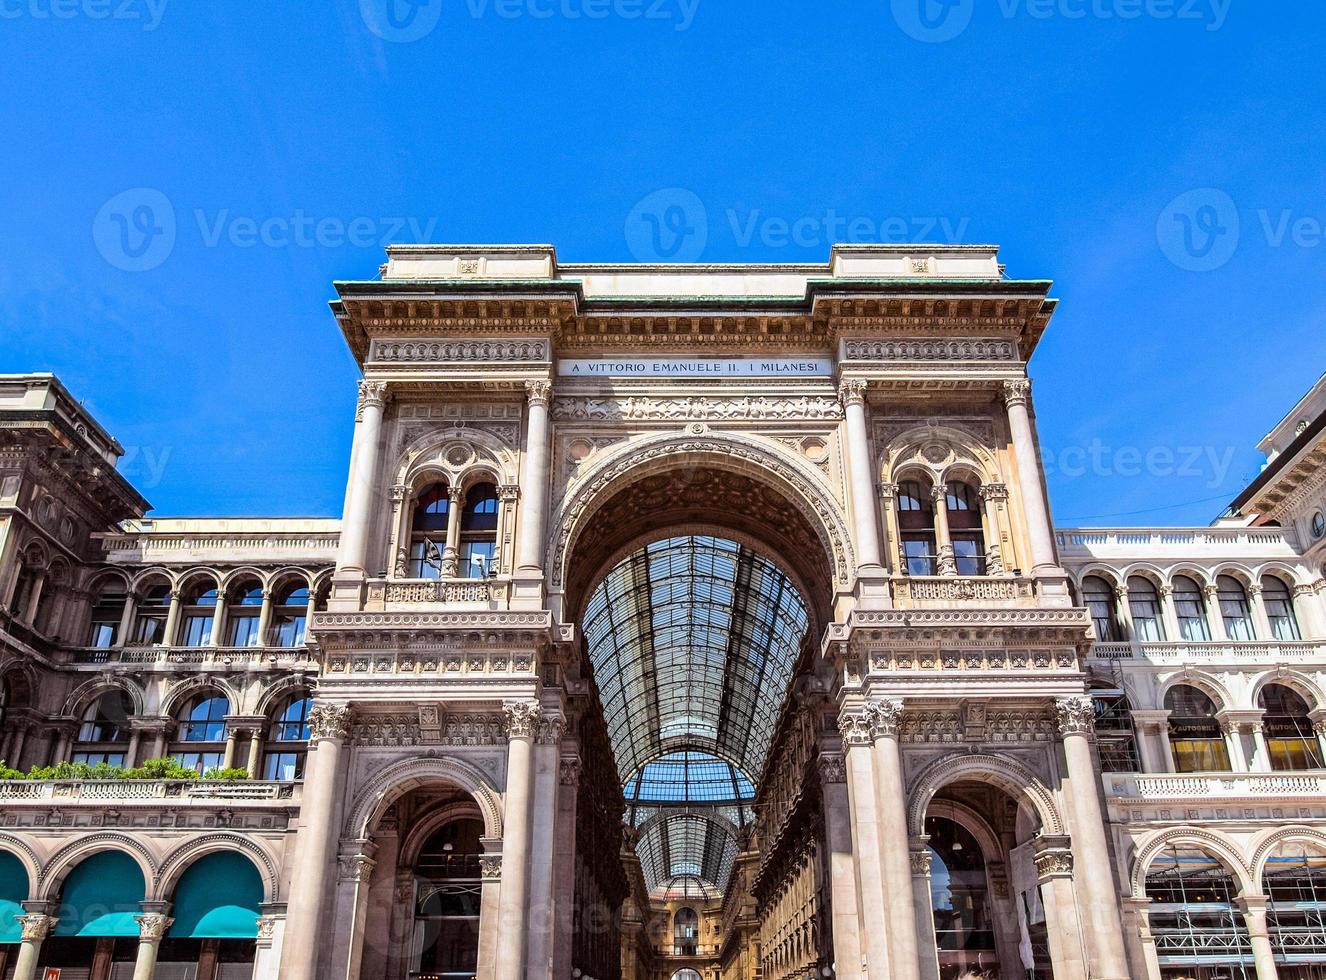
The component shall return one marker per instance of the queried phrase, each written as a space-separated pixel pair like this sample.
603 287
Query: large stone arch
1270 840
179 860
21 849
72 854
1215 844
762 462
393 782
1008 774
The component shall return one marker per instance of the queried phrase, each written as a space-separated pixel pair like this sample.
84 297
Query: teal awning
218 898
101 897
13 890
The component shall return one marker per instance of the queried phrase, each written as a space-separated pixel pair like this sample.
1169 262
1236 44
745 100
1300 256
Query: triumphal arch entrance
699 622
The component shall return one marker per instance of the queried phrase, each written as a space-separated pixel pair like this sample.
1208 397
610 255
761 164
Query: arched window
153 610
1195 737
964 526
1099 598
202 731
916 523
448 885
428 531
104 733
959 898
107 613
1234 609
1291 740
1144 604
1115 736
290 615
288 740
198 615
1294 879
244 615
478 531
1198 928
1280 609
687 974
685 932
1190 610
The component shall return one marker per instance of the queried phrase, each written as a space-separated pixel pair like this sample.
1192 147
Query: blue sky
1072 132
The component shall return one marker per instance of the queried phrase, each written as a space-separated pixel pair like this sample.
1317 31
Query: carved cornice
684 408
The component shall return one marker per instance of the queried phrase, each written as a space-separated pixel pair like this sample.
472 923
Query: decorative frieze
930 350
454 729
568 771
696 408
961 659
451 660
459 351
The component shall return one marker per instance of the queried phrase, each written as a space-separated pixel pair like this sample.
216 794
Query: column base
527 588
871 589
347 591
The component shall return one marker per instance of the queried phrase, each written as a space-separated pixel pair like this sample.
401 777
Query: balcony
147 804
1210 786
941 591
1176 543
1219 651
248 658
487 593
97 791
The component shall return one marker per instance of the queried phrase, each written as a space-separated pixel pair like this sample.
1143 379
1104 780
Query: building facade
683 623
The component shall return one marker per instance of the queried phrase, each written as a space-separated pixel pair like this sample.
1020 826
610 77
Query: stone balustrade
177 656
97 791
1207 786
1218 651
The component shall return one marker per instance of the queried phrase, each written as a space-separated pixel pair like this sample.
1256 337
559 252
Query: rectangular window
244 631
289 631
920 556
476 558
1199 754
284 766
103 635
151 630
200 762
94 758
969 558
198 631
1283 624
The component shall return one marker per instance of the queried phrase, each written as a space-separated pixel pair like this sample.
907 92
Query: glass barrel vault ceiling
693 641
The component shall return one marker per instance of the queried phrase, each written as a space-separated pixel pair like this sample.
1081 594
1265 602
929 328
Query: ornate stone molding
920 864
538 392
833 768
550 730
370 393
266 929
855 728
329 721
490 867
884 716
522 718
1017 392
696 408
993 491
1075 716
1056 862
355 867
852 392
930 349
152 926
568 771
404 351
36 926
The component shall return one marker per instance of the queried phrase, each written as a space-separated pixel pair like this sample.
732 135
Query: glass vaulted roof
693 641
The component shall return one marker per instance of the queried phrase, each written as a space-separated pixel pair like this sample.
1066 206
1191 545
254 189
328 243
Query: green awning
13 891
218 898
101 897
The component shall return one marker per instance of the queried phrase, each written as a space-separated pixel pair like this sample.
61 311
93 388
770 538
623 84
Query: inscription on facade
696 367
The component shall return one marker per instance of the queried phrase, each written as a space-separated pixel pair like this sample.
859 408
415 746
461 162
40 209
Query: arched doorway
447 902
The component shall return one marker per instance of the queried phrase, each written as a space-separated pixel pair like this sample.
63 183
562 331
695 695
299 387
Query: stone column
329 726
927 948
1151 729
534 480
490 908
1232 728
1308 611
1034 507
1138 910
1123 609
1214 621
265 618
352 555
218 619
169 631
346 935
451 550
125 635
543 843
883 715
522 720
843 898
1167 612
864 517
131 753
999 555
1063 929
1261 622
1094 877
232 738
564 866
888 499
152 928
871 917
945 563
267 954
1263 953
36 927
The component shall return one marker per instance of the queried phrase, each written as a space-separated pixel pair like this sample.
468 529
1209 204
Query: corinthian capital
852 392
152 926
370 393
1075 716
539 392
884 714
36 926
329 721
522 718
1017 392
854 727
